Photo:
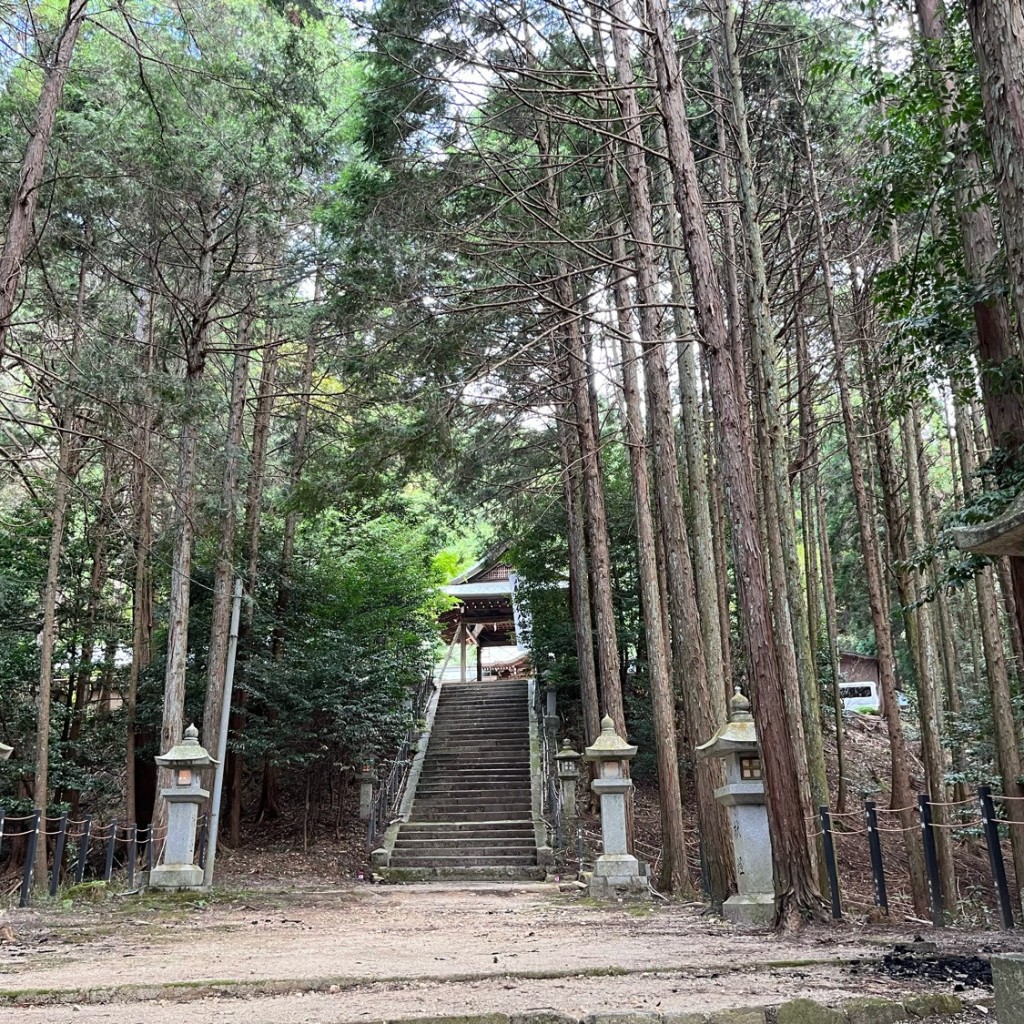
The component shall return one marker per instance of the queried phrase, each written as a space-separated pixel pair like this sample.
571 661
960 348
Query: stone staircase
472 812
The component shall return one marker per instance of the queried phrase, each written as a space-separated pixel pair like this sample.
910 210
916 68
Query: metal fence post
83 850
30 858
108 868
875 847
58 854
931 860
995 855
830 863
133 852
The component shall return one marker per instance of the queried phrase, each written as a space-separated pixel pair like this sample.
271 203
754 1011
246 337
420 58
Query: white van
859 696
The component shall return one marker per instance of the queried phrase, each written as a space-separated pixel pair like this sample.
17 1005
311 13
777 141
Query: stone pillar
743 796
568 762
1008 979
177 869
617 870
366 781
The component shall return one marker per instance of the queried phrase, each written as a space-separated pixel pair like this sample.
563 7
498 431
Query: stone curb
796 1011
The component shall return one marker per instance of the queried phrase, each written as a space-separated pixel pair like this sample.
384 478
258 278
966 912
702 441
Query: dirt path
419 949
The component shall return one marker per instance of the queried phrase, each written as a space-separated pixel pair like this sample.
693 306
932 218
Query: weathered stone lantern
568 765
743 796
5 751
184 796
616 870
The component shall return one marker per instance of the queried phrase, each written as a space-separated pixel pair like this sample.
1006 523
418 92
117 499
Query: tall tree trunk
579 586
220 614
21 218
693 439
269 806
195 345
47 640
796 894
997 31
1004 726
902 793
564 304
797 661
686 632
142 541
253 519
86 662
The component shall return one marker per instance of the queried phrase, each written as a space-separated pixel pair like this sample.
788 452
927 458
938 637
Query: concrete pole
222 739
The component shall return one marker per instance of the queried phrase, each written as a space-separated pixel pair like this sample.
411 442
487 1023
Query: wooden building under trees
485 619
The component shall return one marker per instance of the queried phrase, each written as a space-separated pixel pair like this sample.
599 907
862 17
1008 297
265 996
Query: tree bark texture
20 221
796 892
997 32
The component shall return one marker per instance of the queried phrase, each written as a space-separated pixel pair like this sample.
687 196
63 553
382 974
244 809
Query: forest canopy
713 311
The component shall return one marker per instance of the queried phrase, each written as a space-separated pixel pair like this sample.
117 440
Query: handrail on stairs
389 790
551 803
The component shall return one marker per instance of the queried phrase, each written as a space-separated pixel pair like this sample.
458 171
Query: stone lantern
5 751
616 869
184 796
743 796
568 765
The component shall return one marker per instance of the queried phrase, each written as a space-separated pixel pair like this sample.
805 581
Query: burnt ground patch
957 971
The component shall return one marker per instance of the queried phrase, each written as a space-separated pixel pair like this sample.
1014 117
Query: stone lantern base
752 908
176 876
618 874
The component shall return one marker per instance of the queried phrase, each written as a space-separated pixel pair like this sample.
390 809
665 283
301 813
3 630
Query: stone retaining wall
797 1011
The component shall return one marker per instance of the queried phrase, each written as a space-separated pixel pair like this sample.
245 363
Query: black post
30 859
108 868
133 852
579 846
931 859
875 846
149 848
995 855
830 863
83 850
201 861
1 829
58 854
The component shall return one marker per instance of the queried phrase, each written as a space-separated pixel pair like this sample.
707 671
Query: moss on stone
807 1011
684 1018
870 1010
740 1015
623 1017
933 1004
462 1018
542 1017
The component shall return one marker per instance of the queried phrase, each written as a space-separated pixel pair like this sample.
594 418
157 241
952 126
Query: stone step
470 728
480 787
424 809
457 837
433 816
475 844
455 860
483 740
495 824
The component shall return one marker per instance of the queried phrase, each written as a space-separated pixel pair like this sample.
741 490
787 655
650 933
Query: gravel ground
407 950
